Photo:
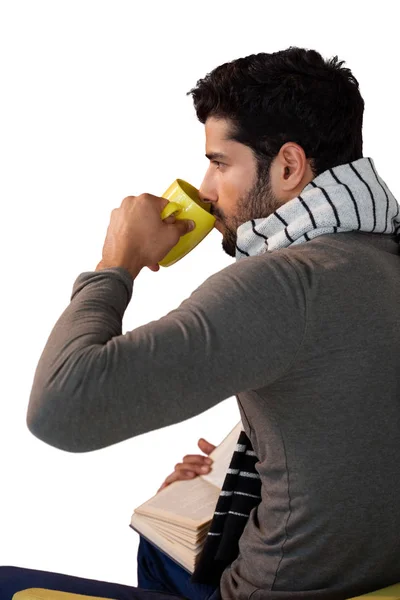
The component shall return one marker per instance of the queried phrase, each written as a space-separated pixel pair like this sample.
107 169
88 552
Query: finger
170 219
158 201
196 459
198 469
126 202
205 446
183 226
179 476
154 268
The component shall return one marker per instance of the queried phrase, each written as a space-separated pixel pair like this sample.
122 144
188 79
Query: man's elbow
59 434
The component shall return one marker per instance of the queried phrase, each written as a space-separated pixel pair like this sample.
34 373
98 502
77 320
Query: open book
178 518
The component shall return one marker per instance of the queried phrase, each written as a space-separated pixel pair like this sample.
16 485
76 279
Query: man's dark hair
293 95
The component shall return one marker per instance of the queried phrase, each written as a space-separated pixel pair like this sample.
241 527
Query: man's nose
206 193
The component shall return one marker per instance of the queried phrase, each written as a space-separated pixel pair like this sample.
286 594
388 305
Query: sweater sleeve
95 386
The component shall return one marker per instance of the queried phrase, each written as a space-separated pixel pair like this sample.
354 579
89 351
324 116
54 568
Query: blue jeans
159 578
158 572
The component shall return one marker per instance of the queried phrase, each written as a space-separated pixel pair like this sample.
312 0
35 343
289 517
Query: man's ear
291 171
294 165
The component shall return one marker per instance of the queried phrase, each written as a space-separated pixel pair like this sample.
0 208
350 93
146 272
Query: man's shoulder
300 264
329 252
255 274
288 259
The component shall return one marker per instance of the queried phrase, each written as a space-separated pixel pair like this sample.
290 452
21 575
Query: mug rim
182 184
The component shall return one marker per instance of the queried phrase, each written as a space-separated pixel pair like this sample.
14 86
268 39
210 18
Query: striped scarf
350 197
240 493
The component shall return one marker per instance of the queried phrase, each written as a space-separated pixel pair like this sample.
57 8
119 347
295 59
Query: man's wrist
133 271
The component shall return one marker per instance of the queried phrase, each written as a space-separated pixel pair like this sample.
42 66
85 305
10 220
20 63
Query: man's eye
217 163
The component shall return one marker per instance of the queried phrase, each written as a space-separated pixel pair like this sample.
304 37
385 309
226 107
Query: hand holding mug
137 237
185 203
148 231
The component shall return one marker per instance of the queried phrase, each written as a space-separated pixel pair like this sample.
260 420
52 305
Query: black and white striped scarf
240 493
350 197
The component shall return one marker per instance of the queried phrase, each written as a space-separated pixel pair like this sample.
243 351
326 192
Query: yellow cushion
390 593
42 594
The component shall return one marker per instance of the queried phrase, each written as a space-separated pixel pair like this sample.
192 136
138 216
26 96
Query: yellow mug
185 203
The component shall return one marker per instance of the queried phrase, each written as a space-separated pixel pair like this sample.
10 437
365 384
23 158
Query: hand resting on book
192 465
177 518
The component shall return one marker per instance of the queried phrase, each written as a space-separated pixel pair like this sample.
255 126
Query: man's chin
228 243
228 247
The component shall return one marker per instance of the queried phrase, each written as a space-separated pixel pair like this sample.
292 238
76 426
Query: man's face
232 185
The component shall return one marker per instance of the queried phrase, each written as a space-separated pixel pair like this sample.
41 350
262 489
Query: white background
93 108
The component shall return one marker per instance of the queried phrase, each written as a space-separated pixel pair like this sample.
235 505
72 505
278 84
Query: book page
195 548
181 555
190 502
191 535
222 457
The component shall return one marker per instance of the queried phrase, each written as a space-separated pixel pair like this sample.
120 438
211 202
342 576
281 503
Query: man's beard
258 202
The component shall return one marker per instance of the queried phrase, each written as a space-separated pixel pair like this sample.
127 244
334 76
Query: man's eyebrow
216 156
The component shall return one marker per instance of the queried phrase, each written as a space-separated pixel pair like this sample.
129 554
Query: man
303 328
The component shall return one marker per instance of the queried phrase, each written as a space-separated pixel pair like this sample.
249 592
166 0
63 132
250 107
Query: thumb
205 446
184 226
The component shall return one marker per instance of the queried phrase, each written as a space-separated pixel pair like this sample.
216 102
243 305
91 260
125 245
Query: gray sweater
307 339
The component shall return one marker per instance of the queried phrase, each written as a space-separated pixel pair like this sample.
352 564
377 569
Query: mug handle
172 208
